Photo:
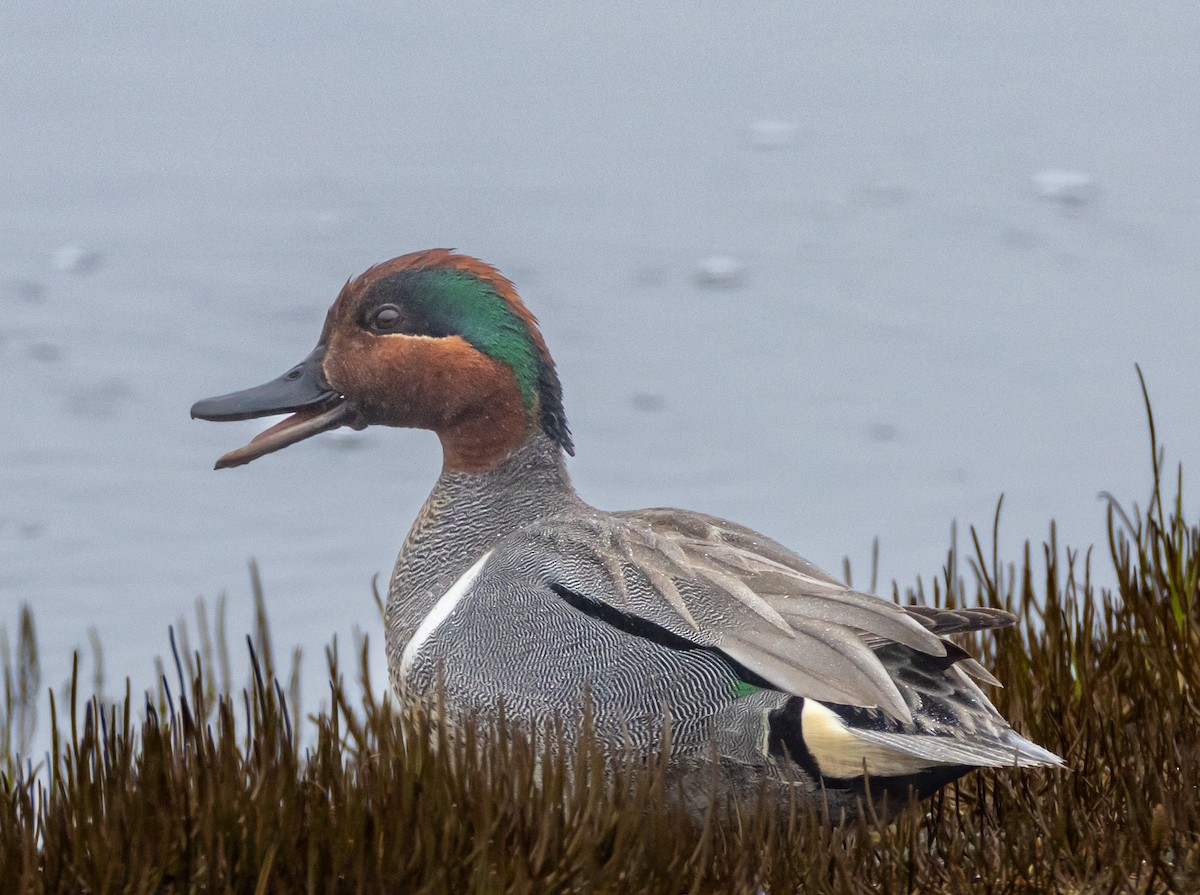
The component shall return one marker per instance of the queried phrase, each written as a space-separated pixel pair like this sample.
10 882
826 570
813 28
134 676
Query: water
910 329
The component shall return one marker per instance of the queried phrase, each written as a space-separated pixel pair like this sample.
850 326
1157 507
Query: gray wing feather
722 585
831 666
943 621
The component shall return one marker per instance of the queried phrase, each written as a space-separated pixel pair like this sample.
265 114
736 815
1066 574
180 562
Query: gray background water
185 187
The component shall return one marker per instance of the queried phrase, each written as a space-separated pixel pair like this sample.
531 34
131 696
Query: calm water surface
914 330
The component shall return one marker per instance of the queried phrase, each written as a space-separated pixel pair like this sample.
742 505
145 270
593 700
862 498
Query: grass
201 787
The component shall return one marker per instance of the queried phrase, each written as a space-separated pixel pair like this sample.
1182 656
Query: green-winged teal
511 589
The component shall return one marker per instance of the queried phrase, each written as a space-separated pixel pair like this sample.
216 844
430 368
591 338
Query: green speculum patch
741 688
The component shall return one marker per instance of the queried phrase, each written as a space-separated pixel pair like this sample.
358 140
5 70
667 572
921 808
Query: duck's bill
300 425
314 405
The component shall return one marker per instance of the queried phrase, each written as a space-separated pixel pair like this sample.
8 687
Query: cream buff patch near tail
840 753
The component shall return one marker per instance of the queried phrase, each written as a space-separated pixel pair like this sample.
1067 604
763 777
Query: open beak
303 391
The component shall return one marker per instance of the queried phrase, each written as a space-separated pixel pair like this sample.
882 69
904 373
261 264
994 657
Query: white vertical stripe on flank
439 613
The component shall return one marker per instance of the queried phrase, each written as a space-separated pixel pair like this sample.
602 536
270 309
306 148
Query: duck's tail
995 748
839 749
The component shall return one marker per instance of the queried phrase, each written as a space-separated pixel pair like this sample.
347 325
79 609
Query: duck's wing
961 621
944 622
692 579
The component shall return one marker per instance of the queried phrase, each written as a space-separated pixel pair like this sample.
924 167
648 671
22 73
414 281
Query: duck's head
432 340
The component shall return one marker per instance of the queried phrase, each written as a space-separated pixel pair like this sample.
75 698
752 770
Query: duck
674 633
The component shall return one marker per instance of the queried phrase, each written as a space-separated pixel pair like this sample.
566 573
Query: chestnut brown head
432 340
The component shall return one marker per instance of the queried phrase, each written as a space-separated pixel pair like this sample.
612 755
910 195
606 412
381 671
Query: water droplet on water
1068 187
45 352
771 133
647 401
883 432
77 259
27 290
720 270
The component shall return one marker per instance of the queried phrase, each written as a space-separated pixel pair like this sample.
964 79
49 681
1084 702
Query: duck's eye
385 319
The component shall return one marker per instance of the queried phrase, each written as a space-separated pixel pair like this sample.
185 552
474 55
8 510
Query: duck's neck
465 515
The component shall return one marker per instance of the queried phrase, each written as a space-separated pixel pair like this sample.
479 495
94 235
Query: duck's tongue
302 391
297 427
